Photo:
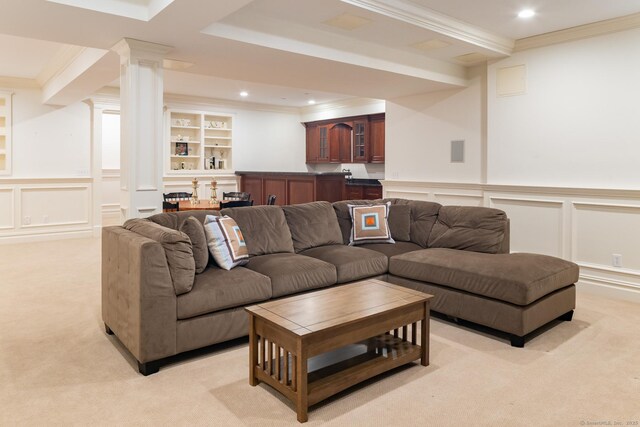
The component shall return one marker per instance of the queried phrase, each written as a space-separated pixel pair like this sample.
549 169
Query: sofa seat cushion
291 273
518 278
217 289
397 248
351 262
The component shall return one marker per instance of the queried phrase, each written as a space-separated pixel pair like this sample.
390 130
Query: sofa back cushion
469 228
264 228
400 222
193 228
177 249
423 216
175 220
312 224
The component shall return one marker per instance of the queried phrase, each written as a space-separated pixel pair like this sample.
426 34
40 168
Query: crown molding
63 58
109 94
172 99
429 19
343 103
18 83
580 32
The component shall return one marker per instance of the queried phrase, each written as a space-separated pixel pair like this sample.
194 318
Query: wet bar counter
292 187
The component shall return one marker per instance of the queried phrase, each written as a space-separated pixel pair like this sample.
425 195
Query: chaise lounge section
161 295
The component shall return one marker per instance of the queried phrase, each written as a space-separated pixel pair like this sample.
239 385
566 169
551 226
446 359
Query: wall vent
457 151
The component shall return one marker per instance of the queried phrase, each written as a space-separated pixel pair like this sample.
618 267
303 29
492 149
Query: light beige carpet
58 367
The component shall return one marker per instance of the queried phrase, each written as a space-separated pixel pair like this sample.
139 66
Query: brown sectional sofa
158 307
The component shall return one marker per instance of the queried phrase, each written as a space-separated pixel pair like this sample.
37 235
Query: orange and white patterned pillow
369 224
225 241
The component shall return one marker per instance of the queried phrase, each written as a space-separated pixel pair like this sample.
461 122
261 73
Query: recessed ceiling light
526 13
311 101
244 94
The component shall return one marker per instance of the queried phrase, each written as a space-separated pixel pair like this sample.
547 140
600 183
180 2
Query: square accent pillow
226 242
370 224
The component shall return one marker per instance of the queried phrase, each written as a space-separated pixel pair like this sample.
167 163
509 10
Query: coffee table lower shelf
332 372
383 354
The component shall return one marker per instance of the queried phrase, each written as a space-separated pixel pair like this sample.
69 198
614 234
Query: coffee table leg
424 336
301 383
253 351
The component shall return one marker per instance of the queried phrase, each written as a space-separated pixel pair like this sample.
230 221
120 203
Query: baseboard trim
608 289
42 237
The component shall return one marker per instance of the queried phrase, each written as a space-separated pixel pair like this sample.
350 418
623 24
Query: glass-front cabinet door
360 152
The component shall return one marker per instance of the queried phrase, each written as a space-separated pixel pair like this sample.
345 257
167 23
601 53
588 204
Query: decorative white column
141 129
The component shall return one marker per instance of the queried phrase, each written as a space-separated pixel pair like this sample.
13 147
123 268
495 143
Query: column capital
140 49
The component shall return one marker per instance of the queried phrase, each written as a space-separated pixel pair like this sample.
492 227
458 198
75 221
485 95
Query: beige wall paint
420 128
577 123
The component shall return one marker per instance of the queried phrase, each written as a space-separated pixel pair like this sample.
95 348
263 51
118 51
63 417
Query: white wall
111 140
268 141
420 128
49 193
578 123
50 141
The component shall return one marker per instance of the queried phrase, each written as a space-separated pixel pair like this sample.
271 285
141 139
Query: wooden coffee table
311 346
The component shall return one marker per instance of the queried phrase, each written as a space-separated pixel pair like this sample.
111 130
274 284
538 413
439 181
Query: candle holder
194 194
214 192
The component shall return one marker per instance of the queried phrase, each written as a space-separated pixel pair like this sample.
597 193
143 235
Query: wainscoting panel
544 233
34 209
586 226
601 230
7 216
54 206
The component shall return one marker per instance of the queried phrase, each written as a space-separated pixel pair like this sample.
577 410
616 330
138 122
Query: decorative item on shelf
179 137
194 194
182 149
214 192
213 162
183 165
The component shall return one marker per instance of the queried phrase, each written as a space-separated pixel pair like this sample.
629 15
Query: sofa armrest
138 298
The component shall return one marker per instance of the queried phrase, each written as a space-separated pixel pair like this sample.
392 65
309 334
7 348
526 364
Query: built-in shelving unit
199 141
5 133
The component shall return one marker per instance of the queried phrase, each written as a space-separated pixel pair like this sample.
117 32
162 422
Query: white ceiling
552 15
283 51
